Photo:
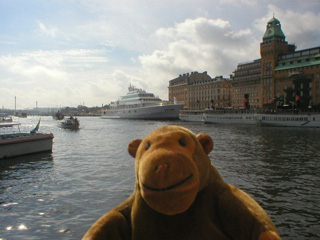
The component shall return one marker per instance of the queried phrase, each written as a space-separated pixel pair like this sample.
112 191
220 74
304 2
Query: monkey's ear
133 147
206 142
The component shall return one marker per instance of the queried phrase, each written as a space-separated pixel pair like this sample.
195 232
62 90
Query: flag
36 128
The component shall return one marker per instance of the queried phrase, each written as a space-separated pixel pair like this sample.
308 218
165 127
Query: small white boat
70 123
138 104
16 143
191 115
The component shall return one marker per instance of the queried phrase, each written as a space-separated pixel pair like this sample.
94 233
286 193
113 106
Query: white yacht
138 104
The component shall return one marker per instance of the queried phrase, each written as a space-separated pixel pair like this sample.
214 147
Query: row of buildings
282 76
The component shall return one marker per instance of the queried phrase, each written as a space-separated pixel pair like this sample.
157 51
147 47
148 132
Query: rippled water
60 195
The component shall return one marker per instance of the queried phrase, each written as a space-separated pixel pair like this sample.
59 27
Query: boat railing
230 111
262 111
191 112
288 111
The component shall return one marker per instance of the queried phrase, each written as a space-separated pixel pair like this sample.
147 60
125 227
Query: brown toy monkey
179 194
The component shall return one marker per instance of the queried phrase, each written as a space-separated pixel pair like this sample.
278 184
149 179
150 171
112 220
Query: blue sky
69 52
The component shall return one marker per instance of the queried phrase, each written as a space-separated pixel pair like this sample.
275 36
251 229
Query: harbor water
59 195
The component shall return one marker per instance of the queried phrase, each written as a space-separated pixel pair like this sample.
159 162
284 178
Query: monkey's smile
169 187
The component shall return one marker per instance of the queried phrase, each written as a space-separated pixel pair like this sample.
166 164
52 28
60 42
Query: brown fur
179 194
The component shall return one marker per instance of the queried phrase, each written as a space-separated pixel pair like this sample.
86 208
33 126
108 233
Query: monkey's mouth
169 187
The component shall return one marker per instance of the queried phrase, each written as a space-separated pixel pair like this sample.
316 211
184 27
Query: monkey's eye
147 145
182 142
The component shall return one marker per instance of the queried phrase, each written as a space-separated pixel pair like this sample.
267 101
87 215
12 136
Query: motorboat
6 119
14 143
58 116
139 104
71 123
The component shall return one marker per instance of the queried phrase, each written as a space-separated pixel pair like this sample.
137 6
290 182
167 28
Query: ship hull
24 144
161 112
290 120
230 117
191 116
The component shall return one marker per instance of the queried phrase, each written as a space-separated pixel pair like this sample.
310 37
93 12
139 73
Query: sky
58 53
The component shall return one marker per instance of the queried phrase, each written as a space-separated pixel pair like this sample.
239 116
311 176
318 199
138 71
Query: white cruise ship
138 104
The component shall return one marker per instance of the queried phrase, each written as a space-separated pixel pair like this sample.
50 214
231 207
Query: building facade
200 91
178 90
247 80
282 76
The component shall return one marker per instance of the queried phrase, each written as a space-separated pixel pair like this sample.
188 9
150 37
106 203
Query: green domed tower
274 31
273 45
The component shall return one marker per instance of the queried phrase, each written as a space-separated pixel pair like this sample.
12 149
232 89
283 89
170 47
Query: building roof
273 20
273 30
296 62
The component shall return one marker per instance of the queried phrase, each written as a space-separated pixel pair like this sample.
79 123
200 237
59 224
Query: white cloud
51 32
44 75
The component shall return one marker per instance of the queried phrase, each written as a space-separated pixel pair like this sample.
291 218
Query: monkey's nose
161 167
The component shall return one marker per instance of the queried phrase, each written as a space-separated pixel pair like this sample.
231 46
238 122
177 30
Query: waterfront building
246 80
281 76
178 89
200 91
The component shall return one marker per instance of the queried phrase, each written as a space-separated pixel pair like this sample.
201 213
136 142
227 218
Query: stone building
200 91
246 80
178 89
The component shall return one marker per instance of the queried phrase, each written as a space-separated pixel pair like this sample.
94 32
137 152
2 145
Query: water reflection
22 176
279 167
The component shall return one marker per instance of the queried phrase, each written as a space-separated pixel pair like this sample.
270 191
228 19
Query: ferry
235 117
303 119
263 117
191 115
14 143
139 104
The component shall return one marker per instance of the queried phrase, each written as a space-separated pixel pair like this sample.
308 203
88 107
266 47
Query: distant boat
58 116
21 114
14 144
138 104
70 123
5 119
